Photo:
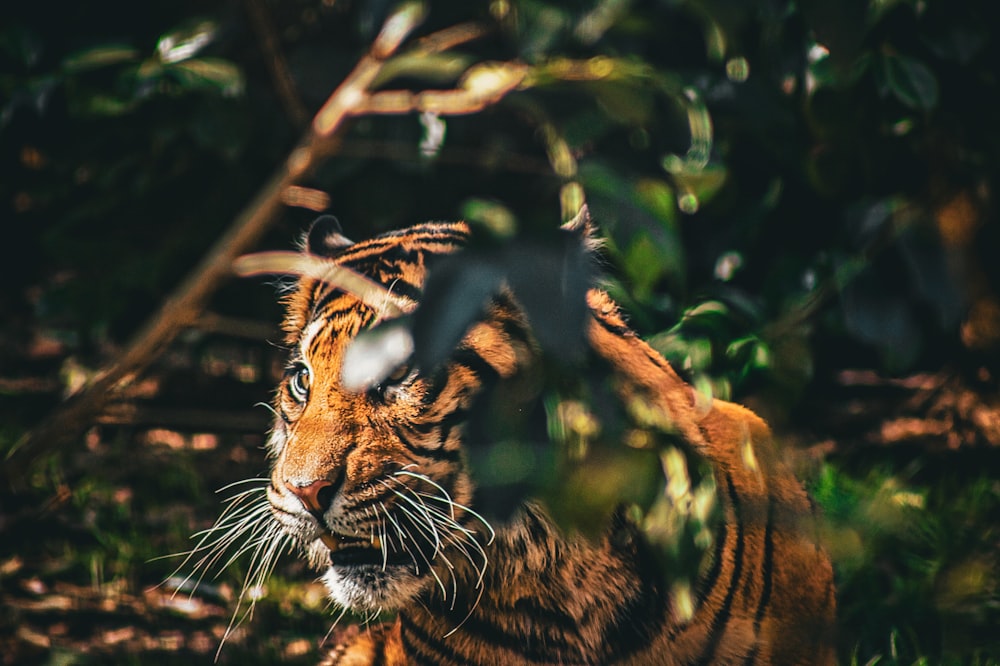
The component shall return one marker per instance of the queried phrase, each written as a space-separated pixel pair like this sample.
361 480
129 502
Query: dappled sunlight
795 206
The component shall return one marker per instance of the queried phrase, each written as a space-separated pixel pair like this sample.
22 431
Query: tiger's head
371 484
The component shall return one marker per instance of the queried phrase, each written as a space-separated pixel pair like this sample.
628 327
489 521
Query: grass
86 550
916 552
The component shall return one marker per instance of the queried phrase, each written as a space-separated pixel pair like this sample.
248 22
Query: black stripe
456 419
535 641
708 582
391 257
640 619
437 382
433 652
391 253
317 287
615 328
446 423
320 308
387 270
385 495
431 234
515 330
428 230
752 655
510 318
437 454
400 287
379 659
528 607
637 623
539 529
470 359
767 572
423 237
382 493
717 627
336 313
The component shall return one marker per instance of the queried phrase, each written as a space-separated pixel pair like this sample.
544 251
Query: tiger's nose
312 496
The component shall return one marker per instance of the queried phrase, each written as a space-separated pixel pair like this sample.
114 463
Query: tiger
374 488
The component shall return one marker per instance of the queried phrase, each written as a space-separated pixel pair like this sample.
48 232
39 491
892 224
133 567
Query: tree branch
482 85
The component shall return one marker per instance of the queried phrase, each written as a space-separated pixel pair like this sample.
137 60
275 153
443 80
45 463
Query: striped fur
393 502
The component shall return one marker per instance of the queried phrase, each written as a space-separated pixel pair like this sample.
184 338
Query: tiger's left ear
324 237
583 226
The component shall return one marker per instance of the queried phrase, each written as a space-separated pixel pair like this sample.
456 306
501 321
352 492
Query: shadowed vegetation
797 202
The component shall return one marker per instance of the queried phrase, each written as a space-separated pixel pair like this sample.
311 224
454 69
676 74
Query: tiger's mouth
355 553
331 542
336 543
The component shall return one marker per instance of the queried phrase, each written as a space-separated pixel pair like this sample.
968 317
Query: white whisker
434 516
336 621
246 525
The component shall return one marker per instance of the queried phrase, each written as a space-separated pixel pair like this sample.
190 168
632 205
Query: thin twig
482 85
447 38
276 63
306 197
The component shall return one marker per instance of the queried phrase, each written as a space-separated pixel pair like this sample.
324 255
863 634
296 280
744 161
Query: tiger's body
372 486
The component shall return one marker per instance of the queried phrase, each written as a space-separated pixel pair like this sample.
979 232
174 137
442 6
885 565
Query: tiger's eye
399 374
391 382
299 382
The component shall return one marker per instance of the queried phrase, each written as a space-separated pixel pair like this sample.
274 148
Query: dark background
826 254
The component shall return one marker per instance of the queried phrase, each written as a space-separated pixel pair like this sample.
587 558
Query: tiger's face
371 484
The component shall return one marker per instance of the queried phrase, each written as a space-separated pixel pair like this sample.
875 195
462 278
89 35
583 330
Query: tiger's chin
364 578
370 588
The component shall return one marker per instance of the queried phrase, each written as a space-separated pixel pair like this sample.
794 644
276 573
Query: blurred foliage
785 189
915 557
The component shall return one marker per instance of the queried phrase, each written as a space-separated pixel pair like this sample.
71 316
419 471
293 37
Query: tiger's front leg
376 644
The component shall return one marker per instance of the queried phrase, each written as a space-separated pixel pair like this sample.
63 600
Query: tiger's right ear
583 226
324 237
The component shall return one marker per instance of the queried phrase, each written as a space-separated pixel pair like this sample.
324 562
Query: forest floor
91 545
92 569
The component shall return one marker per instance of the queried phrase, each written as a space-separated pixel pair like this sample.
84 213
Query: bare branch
276 63
369 292
481 86
448 38
306 197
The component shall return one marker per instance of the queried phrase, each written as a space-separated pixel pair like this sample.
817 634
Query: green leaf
186 41
911 81
107 105
625 103
841 27
100 56
697 184
437 68
644 264
492 215
212 72
658 196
